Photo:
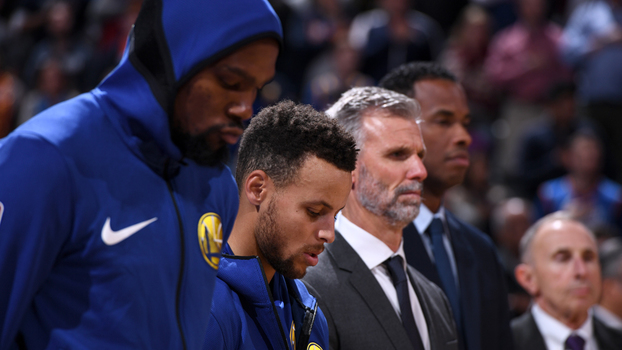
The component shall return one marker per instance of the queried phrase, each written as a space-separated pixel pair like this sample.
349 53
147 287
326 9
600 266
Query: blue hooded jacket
250 313
109 239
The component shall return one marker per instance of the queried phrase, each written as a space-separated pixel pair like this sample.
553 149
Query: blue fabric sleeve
35 192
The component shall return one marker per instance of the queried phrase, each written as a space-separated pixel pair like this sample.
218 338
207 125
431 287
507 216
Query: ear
525 276
257 186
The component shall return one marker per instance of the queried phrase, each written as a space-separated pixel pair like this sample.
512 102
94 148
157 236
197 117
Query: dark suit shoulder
606 337
527 336
324 274
474 235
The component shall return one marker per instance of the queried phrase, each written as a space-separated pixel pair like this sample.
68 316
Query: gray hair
357 102
525 242
610 252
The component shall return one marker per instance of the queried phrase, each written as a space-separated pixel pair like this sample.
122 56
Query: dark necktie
574 342
441 260
395 266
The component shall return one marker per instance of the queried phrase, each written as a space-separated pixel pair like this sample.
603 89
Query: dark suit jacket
527 336
483 291
358 311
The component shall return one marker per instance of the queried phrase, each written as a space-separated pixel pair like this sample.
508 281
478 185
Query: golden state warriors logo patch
210 238
314 346
292 335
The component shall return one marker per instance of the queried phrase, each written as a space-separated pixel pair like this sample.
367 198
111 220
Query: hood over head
171 41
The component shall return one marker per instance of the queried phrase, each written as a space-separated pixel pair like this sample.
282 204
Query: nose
243 107
416 169
463 138
328 234
580 268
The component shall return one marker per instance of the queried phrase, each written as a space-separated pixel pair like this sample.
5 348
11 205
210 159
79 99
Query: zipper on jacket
276 313
183 258
307 326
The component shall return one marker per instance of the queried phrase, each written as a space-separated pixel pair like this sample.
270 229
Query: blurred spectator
503 12
560 270
466 51
309 31
592 198
60 42
609 309
341 74
11 93
523 62
52 88
592 44
510 220
523 59
110 23
394 34
541 145
445 12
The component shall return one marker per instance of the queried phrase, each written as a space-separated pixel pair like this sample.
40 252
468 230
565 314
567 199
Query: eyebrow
241 72
322 203
245 75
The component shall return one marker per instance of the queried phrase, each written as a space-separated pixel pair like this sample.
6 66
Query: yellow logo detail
314 346
292 335
210 238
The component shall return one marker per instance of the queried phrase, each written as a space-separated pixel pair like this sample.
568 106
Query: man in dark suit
371 298
451 253
560 270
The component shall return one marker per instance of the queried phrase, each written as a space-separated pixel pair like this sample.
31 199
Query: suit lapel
364 282
607 338
417 256
427 313
468 280
533 339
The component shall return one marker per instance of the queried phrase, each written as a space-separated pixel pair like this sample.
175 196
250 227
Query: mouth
460 158
312 257
582 292
231 134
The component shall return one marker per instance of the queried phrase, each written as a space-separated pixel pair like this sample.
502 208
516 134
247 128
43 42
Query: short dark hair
403 78
281 137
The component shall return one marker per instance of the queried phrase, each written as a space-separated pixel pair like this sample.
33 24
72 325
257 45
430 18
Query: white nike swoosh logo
111 237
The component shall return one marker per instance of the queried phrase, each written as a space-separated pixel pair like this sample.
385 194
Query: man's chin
197 149
206 157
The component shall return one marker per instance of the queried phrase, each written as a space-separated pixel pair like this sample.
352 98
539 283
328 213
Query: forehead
440 94
318 180
563 235
255 59
384 130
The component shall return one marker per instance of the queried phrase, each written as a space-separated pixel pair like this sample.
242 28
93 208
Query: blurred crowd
543 79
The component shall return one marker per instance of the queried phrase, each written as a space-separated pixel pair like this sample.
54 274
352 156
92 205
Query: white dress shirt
374 252
607 317
422 222
555 333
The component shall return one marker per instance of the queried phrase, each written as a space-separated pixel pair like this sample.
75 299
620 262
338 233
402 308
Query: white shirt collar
607 317
554 332
425 217
372 250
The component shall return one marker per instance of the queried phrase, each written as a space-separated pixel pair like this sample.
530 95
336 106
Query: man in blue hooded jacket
294 175
114 205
